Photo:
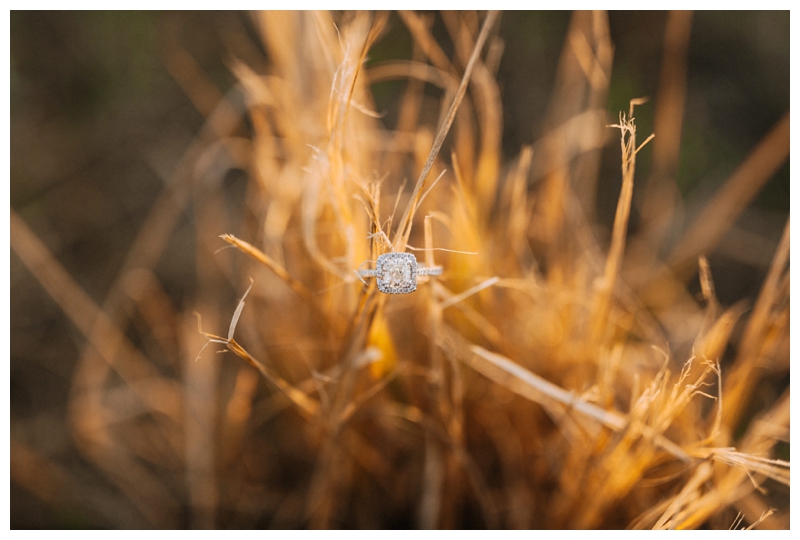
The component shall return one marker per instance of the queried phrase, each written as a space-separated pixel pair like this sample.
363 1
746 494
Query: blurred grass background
99 121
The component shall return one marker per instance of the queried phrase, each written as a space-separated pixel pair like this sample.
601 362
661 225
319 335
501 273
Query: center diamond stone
397 273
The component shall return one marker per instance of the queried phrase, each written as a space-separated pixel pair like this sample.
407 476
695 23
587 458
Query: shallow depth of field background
103 106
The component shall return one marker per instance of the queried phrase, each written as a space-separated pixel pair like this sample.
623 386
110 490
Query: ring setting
397 273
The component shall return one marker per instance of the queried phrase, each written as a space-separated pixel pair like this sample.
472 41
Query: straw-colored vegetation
548 379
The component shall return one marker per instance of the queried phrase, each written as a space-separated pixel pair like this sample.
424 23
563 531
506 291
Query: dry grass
545 380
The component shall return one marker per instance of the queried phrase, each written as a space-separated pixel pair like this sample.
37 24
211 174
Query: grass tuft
548 379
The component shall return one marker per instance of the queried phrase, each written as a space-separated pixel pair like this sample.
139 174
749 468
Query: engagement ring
397 273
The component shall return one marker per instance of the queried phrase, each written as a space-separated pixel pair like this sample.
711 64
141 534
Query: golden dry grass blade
619 233
422 36
775 469
404 227
729 201
519 208
200 405
307 405
671 96
49 482
660 189
156 308
581 87
742 378
701 475
469 292
488 108
89 415
153 235
479 321
433 478
203 93
297 286
753 507
553 398
764 515
108 339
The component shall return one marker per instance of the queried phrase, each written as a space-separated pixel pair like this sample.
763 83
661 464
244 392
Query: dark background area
98 122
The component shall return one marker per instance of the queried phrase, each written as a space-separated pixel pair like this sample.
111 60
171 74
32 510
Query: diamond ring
397 273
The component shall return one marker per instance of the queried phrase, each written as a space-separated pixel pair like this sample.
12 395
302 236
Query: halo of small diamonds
396 273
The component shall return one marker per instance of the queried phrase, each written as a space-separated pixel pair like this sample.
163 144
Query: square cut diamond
396 273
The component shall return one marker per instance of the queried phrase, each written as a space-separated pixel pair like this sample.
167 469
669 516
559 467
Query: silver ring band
421 271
